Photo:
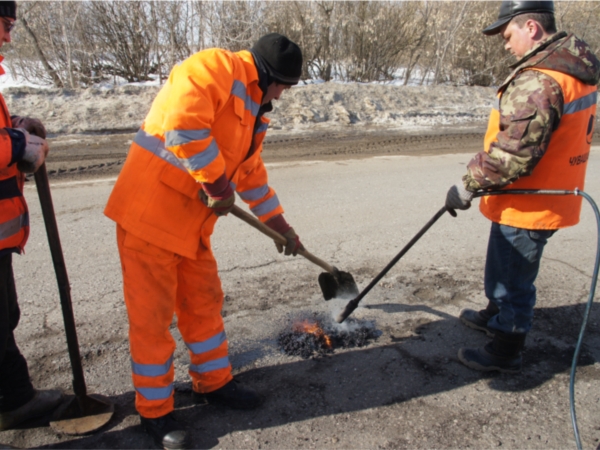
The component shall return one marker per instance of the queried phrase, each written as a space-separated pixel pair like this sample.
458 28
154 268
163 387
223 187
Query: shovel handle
254 222
60 269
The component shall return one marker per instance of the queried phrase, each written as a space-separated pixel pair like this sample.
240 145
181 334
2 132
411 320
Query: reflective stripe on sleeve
581 103
180 137
202 159
157 147
239 90
152 370
148 141
194 163
255 194
212 343
13 226
266 206
161 393
216 364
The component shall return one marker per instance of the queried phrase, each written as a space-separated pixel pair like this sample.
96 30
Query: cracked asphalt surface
355 199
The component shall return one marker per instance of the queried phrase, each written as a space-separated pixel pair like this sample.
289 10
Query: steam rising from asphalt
314 335
336 309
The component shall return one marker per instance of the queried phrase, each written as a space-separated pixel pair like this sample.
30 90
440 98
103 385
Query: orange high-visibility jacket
199 126
562 167
14 216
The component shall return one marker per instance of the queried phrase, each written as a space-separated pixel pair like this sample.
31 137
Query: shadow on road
419 362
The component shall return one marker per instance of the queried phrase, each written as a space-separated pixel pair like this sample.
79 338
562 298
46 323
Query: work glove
293 245
218 196
458 198
36 150
33 126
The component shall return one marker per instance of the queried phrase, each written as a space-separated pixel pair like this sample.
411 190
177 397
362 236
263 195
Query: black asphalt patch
318 336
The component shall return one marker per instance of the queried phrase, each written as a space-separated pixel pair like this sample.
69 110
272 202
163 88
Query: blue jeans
511 267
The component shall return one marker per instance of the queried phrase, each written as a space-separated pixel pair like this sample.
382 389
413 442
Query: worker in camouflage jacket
538 137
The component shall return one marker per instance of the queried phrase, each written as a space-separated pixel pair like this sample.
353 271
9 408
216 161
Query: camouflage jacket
531 106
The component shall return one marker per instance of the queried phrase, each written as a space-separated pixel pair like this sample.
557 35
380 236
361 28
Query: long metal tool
353 304
334 283
83 414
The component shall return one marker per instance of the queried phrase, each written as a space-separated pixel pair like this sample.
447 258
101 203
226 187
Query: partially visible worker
538 138
200 143
23 149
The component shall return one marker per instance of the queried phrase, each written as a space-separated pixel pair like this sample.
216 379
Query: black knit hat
8 9
283 58
508 10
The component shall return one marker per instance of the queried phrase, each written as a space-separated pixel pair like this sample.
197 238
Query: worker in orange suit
200 143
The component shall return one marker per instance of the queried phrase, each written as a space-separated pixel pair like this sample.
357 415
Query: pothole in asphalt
317 335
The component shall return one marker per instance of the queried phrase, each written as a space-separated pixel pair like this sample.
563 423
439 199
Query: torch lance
353 304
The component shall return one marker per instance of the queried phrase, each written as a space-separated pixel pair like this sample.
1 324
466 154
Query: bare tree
477 59
233 24
419 30
311 26
445 28
124 34
50 71
582 18
79 43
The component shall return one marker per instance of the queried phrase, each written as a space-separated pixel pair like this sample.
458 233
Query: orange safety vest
200 126
14 216
562 167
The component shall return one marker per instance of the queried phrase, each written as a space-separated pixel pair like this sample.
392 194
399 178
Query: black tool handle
43 188
353 304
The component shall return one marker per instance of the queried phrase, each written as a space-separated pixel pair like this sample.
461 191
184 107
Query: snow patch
109 109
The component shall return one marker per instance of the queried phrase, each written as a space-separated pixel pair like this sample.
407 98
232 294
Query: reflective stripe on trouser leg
150 286
199 304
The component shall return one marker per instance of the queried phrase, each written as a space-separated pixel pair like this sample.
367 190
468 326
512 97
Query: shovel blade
83 415
340 285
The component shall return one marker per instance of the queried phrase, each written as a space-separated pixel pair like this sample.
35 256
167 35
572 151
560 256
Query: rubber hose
590 300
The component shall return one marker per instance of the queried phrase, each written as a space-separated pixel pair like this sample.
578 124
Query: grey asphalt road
407 390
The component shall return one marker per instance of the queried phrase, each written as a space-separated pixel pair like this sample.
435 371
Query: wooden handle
254 222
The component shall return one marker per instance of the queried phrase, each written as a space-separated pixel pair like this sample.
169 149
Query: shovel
334 283
353 304
83 414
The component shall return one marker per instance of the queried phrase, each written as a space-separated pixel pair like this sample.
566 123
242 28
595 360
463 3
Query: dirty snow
304 108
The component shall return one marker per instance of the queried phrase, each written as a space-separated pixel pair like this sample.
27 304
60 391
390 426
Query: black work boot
166 431
232 395
42 403
502 354
478 319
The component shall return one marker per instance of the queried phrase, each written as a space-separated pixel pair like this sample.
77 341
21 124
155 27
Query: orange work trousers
157 284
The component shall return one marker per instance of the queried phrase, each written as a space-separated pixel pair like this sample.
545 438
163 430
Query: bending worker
538 138
200 142
23 149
